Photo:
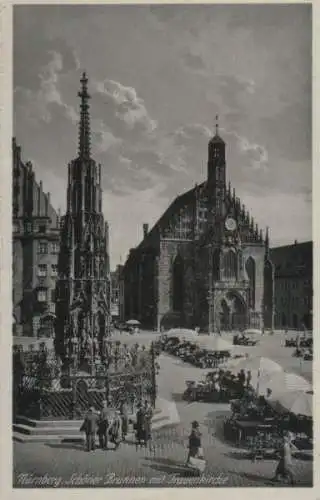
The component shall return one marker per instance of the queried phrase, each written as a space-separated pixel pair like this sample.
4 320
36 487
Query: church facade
205 262
83 287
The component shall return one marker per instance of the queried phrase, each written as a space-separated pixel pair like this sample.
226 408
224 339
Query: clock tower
227 287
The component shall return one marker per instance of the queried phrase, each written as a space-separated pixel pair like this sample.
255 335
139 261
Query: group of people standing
111 425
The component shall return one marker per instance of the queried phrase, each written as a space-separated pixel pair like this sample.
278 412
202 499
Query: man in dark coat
140 425
105 421
89 427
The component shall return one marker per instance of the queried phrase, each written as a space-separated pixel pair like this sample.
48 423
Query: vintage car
308 355
306 342
204 391
243 340
290 342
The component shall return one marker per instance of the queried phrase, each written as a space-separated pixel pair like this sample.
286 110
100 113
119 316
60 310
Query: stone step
34 431
31 430
69 434
20 419
72 428
40 438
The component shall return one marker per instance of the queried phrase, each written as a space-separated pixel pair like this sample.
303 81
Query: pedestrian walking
115 430
140 425
284 467
89 427
148 424
195 457
249 378
103 425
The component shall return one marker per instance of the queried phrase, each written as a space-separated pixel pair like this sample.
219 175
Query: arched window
251 272
268 294
283 320
178 281
230 264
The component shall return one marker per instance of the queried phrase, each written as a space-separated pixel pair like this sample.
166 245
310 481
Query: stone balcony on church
230 284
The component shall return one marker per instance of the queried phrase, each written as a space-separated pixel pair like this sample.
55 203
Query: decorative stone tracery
83 287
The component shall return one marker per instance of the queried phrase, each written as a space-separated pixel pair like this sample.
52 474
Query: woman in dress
194 441
116 430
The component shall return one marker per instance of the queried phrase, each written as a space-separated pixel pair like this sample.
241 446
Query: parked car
306 342
290 343
243 340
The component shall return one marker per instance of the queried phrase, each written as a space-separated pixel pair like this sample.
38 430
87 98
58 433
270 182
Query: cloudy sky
158 76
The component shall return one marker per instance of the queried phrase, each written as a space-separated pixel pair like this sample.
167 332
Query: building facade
83 286
116 293
36 231
205 262
293 285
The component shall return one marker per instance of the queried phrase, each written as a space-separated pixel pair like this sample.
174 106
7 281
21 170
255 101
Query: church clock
230 224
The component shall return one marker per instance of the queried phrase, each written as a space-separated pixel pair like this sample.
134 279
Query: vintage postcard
162 247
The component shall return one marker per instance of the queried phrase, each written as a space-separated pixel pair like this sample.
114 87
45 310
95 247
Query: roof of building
216 139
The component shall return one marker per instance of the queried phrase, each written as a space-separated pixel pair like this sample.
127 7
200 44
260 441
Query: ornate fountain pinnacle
84 125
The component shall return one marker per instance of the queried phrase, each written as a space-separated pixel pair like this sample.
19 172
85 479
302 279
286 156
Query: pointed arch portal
233 313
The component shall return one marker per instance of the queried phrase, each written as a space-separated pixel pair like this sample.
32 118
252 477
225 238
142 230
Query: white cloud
37 103
106 139
257 154
131 108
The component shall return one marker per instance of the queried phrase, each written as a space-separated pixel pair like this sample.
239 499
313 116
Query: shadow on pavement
238 455
215 425
169 466
67 446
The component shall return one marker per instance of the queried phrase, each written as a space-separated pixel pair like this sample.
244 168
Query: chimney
145 229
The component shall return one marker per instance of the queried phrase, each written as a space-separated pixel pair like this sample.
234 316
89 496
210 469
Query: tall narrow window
178 279
268 294
230 265
251 272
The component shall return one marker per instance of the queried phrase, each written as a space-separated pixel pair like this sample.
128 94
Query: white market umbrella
259 367
133 322
282 382
215 343
261 364
297 402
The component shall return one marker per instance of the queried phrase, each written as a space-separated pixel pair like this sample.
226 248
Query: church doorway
238 313
224 316
233 313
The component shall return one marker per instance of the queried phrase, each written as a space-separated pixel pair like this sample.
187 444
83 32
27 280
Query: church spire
217 124
84 126
267 239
